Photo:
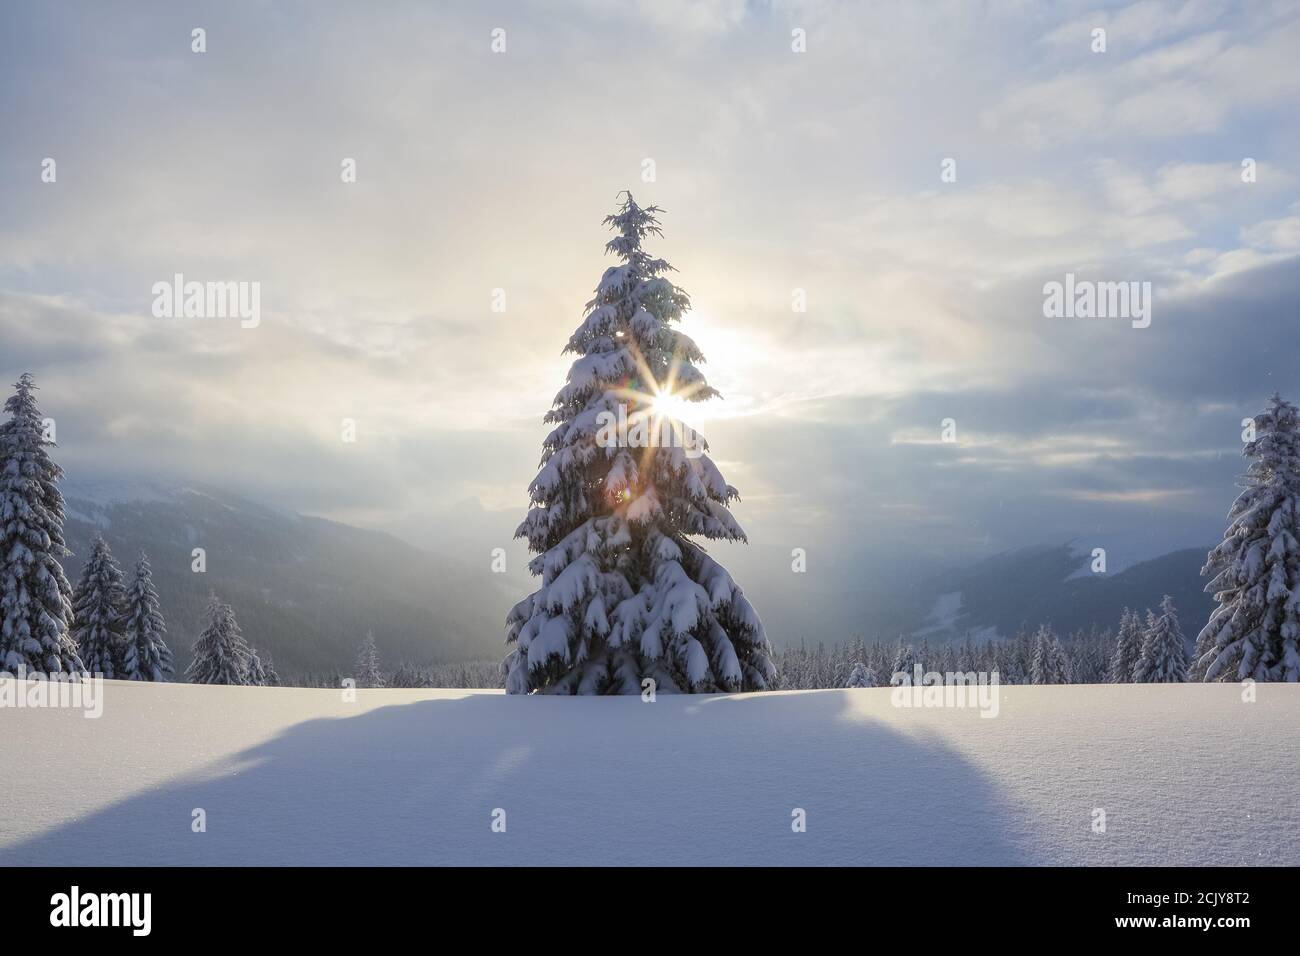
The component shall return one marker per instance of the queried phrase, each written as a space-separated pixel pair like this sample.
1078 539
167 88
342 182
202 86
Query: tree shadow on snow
685 780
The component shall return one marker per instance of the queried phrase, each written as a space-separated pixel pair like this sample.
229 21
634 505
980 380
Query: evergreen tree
269 676
861 676
146 655
35 597
1164 652
1005 658
256 670
1255 570
368 673
967 659
1128 646
904 663
221 655
1049 665
626 594
99 612
1201 657
880 659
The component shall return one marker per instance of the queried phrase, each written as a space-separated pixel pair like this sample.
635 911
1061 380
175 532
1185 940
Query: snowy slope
1187 774
305 590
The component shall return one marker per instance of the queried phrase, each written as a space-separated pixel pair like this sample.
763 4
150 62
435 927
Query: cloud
779 171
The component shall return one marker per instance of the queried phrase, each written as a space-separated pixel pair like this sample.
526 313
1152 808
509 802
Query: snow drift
1186 774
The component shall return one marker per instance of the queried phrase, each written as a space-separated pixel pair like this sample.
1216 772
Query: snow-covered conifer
99 612
269 676
221 655
861 676
256 670
1201 657
1049 664
1255 571
145 654
1128 647
368 672
35 597
967 657
904 663
1005 659
626 594
1164 653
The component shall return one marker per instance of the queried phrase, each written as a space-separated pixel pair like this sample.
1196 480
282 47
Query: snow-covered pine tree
861 676
221 655
145 654
967 658
626 594
880 659
1128 647
269 676
1201 657
256 670
35 597
1255 571
904 663
368 672
1164 652
1004 657
1049 664
99 612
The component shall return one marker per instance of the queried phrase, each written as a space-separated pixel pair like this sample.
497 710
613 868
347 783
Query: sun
668 404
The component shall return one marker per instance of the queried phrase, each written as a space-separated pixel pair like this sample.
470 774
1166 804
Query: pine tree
1164 652
146 655
99 612
221 655
904 663
256 670
269 676
1201 657
368 672
1008 663
1049 665
967 658
1128 646
35 597
626 594
861 676
1255 571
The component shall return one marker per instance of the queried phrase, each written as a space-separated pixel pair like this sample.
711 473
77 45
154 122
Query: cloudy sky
777 170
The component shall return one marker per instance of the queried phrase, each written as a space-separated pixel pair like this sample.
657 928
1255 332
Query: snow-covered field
1186 774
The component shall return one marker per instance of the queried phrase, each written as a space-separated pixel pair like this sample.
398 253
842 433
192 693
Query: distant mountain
307 589
304 589
1052 584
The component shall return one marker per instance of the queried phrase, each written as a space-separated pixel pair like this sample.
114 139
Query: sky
829 171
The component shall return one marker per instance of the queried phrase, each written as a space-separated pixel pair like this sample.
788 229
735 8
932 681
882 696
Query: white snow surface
1187 774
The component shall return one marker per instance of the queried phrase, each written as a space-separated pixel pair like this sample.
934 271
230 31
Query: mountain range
304 589
307 589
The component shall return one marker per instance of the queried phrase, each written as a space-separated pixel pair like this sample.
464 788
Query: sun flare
668 404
